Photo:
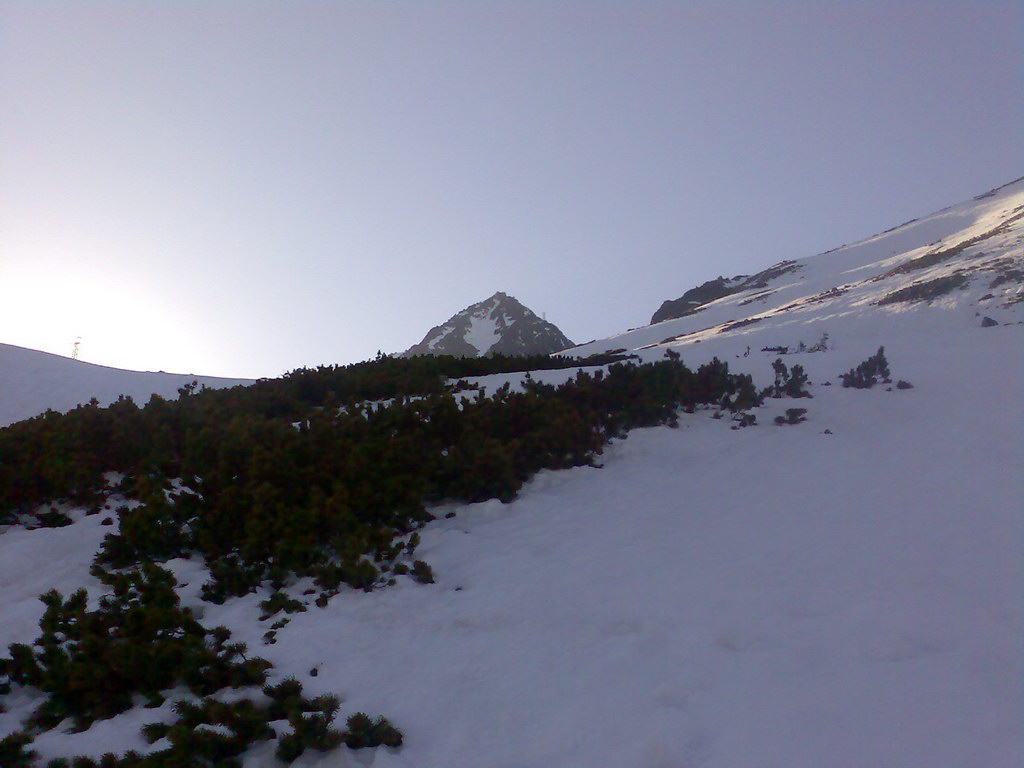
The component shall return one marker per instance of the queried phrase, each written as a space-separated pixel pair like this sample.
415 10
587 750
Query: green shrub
422 572
210 733
14 752
278 602
329 499
90 664
230 577
337 498
788 383
362 732
311 729
793 416
867 373
53 519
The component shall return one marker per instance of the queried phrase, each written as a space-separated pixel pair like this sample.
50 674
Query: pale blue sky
241 188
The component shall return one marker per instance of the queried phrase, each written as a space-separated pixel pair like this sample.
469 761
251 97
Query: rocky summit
497 325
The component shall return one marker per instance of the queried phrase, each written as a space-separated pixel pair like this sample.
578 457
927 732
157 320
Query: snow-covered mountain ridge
497 325
967 254
32 382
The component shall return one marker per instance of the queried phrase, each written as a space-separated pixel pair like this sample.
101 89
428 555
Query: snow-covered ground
847 592
483 331
836 291
33 381
488 385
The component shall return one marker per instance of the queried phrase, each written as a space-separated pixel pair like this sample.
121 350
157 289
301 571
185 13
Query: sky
244 188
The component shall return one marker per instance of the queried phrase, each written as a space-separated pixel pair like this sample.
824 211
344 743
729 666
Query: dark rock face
496 325
694 299
712 290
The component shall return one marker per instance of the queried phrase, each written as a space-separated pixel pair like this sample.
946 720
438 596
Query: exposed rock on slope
695 298
497 325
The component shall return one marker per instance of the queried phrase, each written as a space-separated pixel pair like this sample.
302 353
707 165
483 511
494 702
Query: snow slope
847 592
839 290
32 382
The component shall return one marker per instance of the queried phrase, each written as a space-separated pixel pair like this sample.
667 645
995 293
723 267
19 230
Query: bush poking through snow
14 752
53 519
794 387
788 382
793 416
311 729
230 577
363 732
139 640
867 374
821 345
92 664
278 602
742 396
745 419
422 572
209 733
355 571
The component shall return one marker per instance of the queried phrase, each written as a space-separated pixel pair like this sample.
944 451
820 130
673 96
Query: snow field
772 596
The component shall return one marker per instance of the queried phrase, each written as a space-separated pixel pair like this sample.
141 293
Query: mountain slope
497 325
846 591
968 254
33 381
773 596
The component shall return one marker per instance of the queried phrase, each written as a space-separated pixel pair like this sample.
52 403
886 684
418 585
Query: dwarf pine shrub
278 602
362 732
14 751
337 498
90 664
311 728
422 572
262 497
867 373
209 733
788 382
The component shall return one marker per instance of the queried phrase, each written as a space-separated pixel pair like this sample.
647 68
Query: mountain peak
499 324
